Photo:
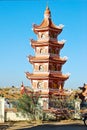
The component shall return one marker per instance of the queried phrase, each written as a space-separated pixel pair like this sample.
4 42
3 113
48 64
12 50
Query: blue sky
16 19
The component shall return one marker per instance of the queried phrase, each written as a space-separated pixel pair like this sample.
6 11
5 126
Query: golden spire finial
47 13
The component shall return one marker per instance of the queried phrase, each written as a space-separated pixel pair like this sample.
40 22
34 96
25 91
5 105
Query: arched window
42 36
41 51
50 67
41 68
40 85
59 67
55 85
53 51
56 50
50 50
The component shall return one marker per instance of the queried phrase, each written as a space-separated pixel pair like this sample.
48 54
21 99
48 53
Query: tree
64 106
28 105
60 103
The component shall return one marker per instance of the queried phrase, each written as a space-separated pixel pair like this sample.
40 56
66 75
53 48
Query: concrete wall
14 116
1 110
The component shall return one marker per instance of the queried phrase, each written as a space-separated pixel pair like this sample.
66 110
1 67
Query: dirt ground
27 125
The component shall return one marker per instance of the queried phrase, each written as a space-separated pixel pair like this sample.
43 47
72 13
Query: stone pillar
2 110
77 110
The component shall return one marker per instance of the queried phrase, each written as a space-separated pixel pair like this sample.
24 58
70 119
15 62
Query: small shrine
47 77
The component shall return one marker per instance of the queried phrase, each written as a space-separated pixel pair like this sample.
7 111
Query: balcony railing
46 54
43 54
50 71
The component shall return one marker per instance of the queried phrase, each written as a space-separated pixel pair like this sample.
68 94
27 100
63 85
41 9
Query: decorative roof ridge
32 59
60 58
67 74
47 22
61 75
27 73
62 41
57 42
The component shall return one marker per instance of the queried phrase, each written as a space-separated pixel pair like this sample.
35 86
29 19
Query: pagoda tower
47 74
